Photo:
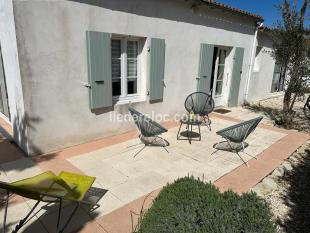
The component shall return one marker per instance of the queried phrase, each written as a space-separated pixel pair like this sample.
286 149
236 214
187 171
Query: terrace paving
130 181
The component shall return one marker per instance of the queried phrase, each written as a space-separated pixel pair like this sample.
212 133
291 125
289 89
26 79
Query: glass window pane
116 58
116 68
116 48
220 72
132 68
116 52
116 87
131 86
132 49
222 56
219 86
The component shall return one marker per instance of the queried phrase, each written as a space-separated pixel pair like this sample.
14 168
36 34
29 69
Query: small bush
190 206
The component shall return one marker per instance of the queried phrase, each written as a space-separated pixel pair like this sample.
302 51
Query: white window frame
217 65
124 97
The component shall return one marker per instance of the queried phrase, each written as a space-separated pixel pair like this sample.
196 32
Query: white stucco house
67 65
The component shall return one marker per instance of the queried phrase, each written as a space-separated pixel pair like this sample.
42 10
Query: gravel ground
290 200
272 107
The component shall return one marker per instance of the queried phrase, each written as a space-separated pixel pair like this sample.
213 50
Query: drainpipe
259 25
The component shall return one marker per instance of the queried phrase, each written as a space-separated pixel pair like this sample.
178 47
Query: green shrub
189 206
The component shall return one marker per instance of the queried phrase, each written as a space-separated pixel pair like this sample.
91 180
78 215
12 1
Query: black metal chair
202 104
149 131
199 104
235 136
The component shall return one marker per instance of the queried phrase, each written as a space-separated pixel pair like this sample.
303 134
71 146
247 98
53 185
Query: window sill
129 101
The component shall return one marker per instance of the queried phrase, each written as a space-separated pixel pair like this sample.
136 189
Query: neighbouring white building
67 66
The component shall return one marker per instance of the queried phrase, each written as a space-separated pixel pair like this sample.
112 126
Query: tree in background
290 42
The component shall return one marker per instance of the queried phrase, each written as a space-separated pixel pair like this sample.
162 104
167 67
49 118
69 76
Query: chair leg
242 159
22 222
254 157
70 218
179 131
189 138
6 210
59 215
140 143
233 150
214 152
209 124
166 149
139 151
207 121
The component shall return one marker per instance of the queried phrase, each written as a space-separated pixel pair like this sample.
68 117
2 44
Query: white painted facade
12 74
51 42
263 68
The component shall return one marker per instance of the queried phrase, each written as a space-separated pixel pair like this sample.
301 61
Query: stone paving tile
5 129
179 168
108 203
127 177
139 186
9 152
241 179
92 227
106 175
49 218
206 173
15 214
124 219
20 169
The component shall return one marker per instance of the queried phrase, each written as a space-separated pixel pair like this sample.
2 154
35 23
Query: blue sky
265 8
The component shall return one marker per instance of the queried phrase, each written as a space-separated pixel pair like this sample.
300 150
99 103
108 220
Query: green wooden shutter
205 67
236 77
99 69
157 69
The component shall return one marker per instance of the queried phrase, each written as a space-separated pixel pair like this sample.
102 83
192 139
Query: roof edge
232 9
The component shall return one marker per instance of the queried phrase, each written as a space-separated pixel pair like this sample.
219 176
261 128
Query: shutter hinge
164 84
86 85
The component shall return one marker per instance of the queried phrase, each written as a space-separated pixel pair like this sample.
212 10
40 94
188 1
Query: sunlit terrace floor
128 179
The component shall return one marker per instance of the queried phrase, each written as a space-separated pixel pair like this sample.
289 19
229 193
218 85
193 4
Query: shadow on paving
297 197
44 218
300 121
47 221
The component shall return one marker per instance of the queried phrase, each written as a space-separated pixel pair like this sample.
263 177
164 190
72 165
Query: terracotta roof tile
231 9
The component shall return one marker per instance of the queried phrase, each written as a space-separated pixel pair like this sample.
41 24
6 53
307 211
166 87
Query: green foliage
189 206
291 45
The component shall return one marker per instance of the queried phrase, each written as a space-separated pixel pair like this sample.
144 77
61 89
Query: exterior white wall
12 73
261 79
52 51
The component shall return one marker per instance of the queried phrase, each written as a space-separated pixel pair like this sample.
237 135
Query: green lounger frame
50 188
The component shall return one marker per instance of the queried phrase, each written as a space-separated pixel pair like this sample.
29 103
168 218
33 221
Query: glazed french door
4 107
218 80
